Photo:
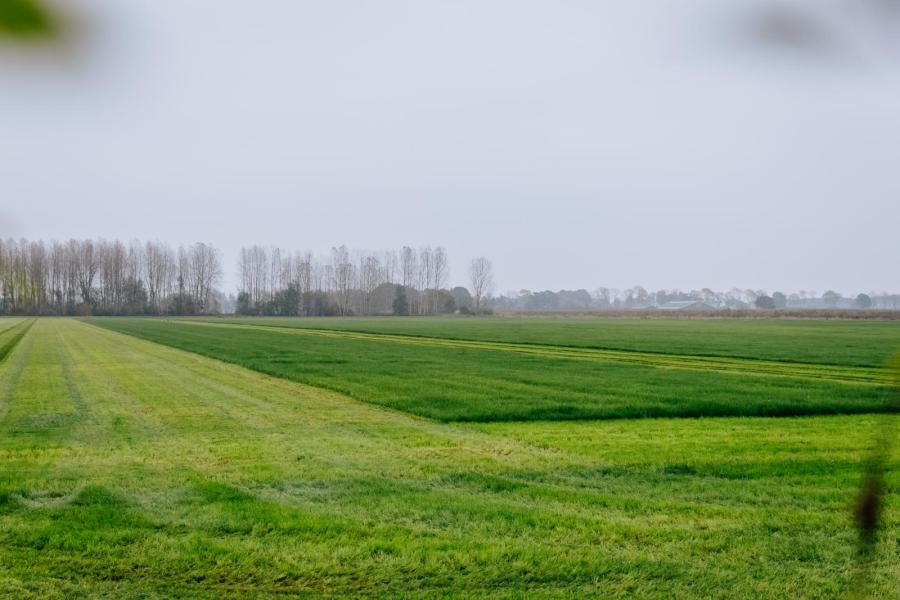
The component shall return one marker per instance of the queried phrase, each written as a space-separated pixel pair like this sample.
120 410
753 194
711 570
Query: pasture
474 380
866 343
149 458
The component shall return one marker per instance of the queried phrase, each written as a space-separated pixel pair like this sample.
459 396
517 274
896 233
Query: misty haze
449 299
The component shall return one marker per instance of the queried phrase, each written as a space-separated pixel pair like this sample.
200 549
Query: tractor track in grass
11 336
8 323
738 366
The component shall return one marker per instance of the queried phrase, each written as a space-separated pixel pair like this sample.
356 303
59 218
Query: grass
456 380
11 333
132 469
867 343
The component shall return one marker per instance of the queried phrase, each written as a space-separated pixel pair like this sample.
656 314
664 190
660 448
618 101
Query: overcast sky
576 143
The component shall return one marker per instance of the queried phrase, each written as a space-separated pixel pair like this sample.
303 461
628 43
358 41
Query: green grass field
854 343
472 380
132 468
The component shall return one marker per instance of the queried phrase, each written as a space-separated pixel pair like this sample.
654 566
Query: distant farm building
685 305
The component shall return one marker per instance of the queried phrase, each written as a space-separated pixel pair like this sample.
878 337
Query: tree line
84 277
99 277
407 281
638 297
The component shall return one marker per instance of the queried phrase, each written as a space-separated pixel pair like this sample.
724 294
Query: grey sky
576 143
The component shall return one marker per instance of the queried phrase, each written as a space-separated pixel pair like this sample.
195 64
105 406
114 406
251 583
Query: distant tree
318 304
636 296
764 302
863 301
461 297
481 275
179 305
439 274
134 296
445 302
287 301
573 299
779 299
201 266
710 297
244 306
546 300
831 298
602 298
401 304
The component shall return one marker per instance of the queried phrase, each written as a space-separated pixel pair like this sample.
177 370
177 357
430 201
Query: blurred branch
26 19
870 504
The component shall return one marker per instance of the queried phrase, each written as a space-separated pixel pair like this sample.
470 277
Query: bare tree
158 270
253 268
440 272
481 275
371 275
204 272
343 278
85 277
390 266
407 267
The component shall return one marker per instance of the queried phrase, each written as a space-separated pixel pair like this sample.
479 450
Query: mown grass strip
738 366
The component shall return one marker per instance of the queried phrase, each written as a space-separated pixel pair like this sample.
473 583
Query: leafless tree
343 274
84 276
481 275
440 272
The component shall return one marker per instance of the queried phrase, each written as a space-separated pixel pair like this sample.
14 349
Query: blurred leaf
25 19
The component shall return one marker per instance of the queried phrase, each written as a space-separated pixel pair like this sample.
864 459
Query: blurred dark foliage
871 500
793 27
26 19
826 29
869 506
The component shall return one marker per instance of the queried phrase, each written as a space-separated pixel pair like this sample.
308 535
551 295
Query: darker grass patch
96 522
8 502
679 469
483 482
36 422
229 510
289 360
